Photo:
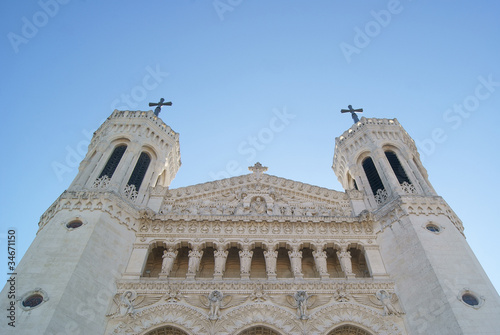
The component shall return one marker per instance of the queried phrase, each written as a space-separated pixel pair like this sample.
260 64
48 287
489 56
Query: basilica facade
253 254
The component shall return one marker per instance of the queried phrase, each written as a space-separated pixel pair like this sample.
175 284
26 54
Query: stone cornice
416 205
330 286
109 202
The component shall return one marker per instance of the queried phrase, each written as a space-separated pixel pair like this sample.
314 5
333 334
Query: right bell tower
441 284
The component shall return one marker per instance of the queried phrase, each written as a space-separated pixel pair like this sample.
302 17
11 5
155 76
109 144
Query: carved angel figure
302 302
381 299
389 301
128 302
301 298
215 301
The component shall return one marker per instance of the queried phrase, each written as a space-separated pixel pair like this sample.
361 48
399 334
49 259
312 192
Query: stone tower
439 280
121 253
86 236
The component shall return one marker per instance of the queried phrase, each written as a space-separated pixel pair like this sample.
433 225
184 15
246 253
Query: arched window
113 161
139 171
168 330
259 330
397 167
372 175
348 330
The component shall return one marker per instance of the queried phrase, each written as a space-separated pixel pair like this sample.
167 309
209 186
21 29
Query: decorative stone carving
220 261
130 192
102 182
296 262
215 300
301 298
245 262
194 262
127 303
408 188
381 196
345 262
381 299
169 256
271 257
320 262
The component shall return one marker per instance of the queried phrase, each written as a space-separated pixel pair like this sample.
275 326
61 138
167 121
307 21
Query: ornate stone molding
330 286
215 229
108 202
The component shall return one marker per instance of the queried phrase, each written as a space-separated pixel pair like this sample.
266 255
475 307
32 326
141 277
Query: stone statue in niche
245 261
320 261
168 260
194 261
345 261
258 206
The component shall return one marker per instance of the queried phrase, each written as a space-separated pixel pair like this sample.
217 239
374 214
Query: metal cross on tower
353 112
159 105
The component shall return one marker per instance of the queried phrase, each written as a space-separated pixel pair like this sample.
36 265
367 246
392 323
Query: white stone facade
254 254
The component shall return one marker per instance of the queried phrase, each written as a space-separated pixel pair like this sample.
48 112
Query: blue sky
229 67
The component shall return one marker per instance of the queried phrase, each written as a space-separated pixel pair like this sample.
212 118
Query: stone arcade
121 253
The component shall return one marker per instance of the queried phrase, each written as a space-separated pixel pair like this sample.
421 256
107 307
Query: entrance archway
348 330
259 330
167 330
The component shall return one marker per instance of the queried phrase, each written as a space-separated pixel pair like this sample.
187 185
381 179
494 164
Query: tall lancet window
397 167
113 161
140 170
372 175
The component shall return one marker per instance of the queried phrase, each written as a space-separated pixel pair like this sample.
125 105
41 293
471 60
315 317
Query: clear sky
230 66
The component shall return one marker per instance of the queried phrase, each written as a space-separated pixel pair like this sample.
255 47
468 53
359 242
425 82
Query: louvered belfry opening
397 167
372 175
113 161
140 170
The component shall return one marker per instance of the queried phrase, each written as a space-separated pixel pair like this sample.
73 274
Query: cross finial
353 112
159 104
257 168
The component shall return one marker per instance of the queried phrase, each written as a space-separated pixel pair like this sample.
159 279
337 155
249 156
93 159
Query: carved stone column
345 262
320 262
169 256
194 262
245 262
271 256
220 261
296 262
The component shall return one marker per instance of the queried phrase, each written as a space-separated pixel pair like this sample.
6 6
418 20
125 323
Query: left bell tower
130 152
65 283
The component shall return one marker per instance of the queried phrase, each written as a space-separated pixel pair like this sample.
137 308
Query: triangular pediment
256 194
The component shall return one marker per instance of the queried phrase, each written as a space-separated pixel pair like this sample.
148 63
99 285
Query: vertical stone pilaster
137 261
